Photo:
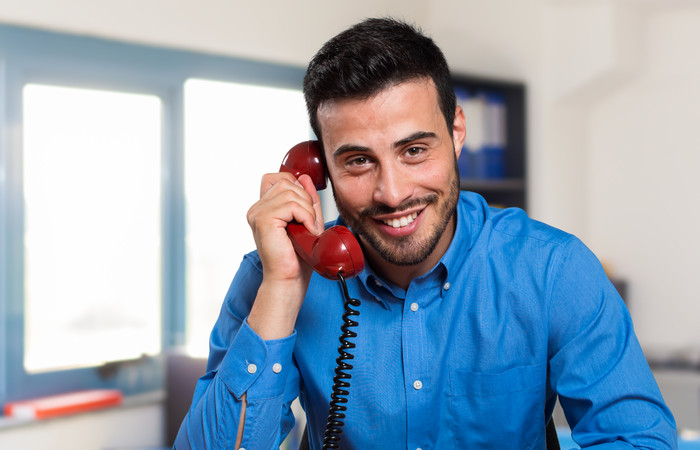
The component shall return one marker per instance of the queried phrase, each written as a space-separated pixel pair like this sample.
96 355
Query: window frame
36 56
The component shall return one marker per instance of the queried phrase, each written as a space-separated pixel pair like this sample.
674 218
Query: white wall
278 30
613 106
643 161
621 152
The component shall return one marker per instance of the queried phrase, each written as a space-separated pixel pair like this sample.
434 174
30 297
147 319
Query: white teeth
401 221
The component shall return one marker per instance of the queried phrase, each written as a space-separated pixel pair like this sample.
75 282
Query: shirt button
252 368
377 282
277 368
417 384
447 286
414 306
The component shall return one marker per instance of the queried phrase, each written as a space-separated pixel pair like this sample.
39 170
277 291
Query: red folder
63 404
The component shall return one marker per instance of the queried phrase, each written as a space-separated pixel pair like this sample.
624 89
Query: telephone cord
341 381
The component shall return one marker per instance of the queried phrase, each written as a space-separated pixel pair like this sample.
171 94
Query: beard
404 250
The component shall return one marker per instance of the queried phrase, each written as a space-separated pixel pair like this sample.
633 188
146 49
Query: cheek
434 178
353 194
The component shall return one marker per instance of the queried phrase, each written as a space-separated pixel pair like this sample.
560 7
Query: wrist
277 304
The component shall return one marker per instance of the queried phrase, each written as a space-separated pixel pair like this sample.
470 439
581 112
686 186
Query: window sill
132 401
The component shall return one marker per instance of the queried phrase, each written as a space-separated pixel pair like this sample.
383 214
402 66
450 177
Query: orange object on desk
63 404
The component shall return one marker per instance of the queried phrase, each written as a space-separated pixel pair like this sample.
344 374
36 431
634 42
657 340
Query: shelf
493 163
478 185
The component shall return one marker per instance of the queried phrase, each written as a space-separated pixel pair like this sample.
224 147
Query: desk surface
566 443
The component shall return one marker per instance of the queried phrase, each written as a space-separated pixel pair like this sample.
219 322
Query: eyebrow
414 137
400 143
345 148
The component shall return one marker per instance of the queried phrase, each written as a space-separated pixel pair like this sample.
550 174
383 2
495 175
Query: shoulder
516 223
507 224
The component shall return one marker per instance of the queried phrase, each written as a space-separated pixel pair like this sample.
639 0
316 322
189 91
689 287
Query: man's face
392 162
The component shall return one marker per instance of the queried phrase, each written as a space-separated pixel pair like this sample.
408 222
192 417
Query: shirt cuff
255 366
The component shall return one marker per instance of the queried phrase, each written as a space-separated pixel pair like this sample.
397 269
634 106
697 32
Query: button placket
416 372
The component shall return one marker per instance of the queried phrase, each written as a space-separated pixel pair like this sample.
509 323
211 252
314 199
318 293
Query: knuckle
249 215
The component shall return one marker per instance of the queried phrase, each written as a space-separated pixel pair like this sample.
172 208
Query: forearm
219 420
210 422
276 308
252 387
597 366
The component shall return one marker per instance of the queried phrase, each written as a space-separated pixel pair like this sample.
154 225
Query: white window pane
92 226
233 134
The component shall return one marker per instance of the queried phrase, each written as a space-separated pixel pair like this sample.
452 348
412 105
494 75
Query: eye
358 161
415 153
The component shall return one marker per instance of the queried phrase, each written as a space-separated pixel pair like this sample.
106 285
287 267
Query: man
473 320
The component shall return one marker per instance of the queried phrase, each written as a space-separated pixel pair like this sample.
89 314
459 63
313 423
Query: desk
566 443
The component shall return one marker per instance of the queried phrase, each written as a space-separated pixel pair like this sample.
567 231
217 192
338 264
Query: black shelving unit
511 188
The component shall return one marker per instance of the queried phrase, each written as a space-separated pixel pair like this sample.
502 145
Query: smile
401 221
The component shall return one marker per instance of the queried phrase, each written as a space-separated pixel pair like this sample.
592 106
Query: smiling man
473 320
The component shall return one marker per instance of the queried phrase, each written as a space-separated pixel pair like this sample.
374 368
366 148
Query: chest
434 366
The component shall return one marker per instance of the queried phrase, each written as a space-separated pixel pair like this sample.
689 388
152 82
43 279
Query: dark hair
371 56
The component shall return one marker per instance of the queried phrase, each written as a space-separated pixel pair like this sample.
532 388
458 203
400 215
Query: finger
271 179
309 187
285 202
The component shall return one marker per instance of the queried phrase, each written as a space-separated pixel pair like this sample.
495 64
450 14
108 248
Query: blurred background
133 135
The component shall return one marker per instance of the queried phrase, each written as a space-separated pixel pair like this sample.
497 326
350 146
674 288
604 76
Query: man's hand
283 199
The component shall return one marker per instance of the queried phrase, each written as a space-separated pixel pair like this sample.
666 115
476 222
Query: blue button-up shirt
472 355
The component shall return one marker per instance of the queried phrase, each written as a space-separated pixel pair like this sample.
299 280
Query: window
125 176
91 226
233 133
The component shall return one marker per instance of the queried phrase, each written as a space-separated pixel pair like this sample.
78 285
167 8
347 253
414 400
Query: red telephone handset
335 250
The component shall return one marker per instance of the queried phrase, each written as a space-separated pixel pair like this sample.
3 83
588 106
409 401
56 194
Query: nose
393 185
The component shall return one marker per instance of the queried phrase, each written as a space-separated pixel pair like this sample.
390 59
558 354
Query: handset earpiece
306 157
335 251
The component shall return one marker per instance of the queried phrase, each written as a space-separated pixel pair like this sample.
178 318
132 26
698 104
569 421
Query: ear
459 130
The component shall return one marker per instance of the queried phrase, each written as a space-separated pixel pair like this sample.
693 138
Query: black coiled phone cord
341 382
